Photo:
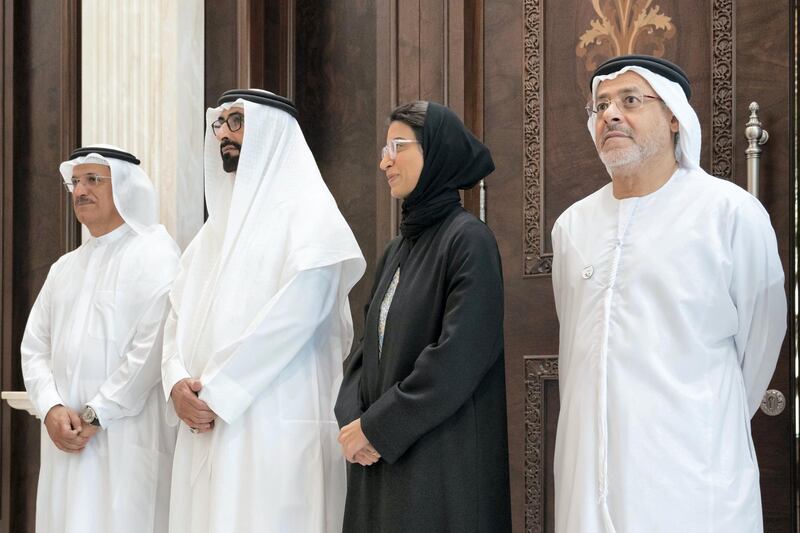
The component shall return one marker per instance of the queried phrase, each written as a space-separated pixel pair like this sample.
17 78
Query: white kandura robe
272 462
672 312
95 336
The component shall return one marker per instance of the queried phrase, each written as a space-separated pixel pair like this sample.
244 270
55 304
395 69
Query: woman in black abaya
422 404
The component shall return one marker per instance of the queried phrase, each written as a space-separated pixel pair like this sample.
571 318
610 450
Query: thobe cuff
172 372
102 414
45 401
225 397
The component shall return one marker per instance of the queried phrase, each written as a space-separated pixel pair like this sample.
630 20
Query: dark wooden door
538 55
40 110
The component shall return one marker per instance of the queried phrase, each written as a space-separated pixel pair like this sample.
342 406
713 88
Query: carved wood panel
540 371
723 124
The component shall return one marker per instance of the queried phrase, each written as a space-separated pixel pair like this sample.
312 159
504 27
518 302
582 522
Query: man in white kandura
259 326
91 355
669 292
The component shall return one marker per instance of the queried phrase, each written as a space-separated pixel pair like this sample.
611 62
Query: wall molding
538 369
723 89
535 261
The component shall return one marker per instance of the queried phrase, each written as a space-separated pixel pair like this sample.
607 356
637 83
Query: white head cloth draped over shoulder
134 195
271 219
687 151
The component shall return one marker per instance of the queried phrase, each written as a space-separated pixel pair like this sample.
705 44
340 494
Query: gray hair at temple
413 115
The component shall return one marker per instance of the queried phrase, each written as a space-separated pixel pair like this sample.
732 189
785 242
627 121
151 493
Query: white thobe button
587 272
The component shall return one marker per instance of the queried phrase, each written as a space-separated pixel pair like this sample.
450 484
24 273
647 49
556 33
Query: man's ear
674 125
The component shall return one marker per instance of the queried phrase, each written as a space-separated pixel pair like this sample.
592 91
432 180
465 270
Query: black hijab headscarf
453 159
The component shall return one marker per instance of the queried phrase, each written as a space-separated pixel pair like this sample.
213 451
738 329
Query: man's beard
230 162
635 154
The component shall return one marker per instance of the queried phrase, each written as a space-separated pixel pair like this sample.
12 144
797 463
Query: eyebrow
231 111
90 173
86 175
624 90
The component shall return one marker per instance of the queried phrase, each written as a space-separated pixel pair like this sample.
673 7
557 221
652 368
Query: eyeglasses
90 182
390 150
626 102
235 121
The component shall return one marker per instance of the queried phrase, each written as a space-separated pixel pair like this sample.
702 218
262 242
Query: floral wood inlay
624 27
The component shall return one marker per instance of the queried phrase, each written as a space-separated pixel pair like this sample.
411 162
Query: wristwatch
89 416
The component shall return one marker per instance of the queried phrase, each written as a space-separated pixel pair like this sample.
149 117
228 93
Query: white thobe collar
661 190
110 237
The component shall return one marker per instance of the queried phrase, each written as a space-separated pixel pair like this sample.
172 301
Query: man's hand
88 430
194 412
355 446
64 427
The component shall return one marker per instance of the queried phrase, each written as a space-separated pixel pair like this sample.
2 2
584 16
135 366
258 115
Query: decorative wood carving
624 27
538 368
535 261
722 88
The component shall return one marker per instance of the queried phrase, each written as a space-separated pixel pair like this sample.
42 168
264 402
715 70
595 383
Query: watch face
88 415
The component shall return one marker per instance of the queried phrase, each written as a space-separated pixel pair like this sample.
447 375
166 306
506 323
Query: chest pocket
103 316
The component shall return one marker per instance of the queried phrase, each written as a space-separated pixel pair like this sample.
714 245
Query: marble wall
142 90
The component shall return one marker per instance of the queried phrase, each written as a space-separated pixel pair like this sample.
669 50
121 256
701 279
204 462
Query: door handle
773 403
756 136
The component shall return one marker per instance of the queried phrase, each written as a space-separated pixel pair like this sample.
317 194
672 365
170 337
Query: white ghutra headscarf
134 195
271 219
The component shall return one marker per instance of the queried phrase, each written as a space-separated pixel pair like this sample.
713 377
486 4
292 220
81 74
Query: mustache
618 127
82 200
228 142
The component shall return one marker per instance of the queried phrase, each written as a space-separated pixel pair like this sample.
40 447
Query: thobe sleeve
447 372
37 357
125 391
172 368
234 380
757 292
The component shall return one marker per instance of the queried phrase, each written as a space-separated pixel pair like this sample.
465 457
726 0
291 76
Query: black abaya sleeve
447 372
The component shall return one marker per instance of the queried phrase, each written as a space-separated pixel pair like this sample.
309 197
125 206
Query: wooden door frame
18 431
240 39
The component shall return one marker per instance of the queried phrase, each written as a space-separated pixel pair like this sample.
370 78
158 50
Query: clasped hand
355 445
66 429
194 412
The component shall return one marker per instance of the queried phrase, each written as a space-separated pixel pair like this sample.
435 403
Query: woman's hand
367 456
355 446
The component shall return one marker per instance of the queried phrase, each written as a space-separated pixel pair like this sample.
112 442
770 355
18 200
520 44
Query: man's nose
79 189
219 134
612 113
